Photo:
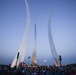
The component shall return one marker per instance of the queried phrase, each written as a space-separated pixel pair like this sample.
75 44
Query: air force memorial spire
19 58
52 46
34 51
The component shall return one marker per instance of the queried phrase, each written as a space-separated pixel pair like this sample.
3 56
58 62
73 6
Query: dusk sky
63 26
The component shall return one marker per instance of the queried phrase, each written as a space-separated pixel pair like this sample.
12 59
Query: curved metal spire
24 42
34 51
52 46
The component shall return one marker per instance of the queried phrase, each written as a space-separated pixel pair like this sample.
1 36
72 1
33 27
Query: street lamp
45 62
35 61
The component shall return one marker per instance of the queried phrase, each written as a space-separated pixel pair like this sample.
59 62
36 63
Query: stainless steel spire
34 51
24 42
52 46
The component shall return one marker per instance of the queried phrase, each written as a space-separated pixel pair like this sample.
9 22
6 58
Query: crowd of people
39 70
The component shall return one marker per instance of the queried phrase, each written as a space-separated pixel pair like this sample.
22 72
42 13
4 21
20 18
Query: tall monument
34 51
52 46
20 55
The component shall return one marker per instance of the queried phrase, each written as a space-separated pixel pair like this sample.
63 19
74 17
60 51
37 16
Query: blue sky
63 26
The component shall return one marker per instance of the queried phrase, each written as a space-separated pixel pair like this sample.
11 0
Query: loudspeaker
18 55
60 58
